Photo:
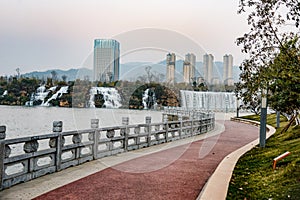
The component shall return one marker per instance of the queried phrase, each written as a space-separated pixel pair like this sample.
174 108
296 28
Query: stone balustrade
27 158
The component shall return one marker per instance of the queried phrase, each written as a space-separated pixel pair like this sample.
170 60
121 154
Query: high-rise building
227 69
171 60
106 60
208 63
189 66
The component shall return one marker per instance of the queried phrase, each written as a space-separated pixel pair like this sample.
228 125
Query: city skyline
56 34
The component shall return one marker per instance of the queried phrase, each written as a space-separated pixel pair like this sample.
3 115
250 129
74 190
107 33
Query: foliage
80 93
253 176
18 90
151 77
284 76
164 96
273 61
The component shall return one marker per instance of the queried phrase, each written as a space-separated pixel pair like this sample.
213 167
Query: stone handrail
27 158
183 112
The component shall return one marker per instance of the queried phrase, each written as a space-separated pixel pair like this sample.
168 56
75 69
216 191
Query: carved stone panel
122 131
157 127
110 133
52 142
91 136
76 138
137 130
31 146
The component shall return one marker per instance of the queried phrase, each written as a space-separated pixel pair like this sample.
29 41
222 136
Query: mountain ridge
132 70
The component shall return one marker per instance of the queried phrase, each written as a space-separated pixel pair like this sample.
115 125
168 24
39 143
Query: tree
284 76
18 72
64 78
54 76
273 53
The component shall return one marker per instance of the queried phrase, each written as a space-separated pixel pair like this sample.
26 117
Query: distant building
227 69
189 66
106 60
171 60
208 63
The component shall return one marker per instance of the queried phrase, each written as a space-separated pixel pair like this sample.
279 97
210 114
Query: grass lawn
253 176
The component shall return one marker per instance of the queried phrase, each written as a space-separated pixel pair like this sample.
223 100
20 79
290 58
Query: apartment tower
208 63
171 60
106 60
189 66
227 69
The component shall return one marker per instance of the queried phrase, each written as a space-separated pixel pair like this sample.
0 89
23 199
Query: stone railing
185 113
27 158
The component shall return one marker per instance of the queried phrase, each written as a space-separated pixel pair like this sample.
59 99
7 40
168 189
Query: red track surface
176 173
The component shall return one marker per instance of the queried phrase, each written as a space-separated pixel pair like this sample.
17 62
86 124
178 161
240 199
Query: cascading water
40 95
149 99
112 98
58 94
4 93
215 101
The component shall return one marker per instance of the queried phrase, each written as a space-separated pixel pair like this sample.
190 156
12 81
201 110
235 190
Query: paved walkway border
217 185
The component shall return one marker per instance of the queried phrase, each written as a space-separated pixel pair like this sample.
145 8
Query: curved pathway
176 173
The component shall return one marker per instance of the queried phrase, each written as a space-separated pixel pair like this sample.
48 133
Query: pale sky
48 34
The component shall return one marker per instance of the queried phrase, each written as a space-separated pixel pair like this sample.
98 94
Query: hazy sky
45 34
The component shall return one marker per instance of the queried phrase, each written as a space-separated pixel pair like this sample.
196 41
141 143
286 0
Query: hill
130 71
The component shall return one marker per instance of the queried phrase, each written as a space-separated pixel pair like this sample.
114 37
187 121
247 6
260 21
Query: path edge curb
217 185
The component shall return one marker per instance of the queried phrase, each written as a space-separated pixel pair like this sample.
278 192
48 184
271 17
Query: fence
44 154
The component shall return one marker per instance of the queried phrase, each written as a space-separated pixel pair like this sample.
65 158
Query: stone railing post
125 122
192 117
95 137
180 125
2 154
148 122
166 126
57 128
214 120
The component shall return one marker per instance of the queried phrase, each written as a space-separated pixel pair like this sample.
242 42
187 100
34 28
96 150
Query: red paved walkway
162 175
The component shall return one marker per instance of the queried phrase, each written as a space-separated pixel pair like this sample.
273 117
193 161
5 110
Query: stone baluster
57 128
165 118
125 122
95 136
148 122
214 120
180 125
165 126
2 153
94 123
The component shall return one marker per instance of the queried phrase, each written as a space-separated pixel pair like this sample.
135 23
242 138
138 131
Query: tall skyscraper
208 63
106 60
171 60
189 66
227 69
